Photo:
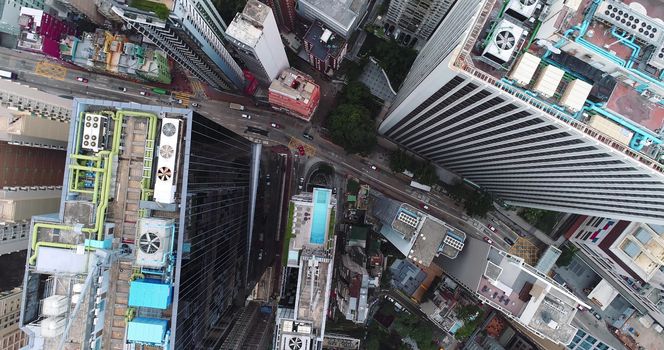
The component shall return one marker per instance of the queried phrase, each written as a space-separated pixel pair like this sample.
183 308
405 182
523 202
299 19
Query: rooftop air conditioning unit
502 45
296 342
153 242
521 10
164 188
94 127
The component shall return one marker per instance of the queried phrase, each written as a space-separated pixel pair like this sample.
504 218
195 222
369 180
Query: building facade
416 20
33 136
557 138
325 49
256 40
284 13
295 93
192 33
628 256
341 16
11 336
190 242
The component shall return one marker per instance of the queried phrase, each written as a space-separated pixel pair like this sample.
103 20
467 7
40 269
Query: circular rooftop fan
295 343
149 243
505 40
527 2
166 151
168 129
164 173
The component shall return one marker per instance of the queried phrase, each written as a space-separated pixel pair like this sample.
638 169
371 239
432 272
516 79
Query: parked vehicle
275 125
195 104
247 116
307 136
487 239
508 240
235 106
82 80
493 229
144 93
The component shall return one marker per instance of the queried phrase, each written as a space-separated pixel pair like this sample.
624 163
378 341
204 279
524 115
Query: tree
400 161
458 191
412 327
566 256
425 173
467 312
357 93
532 215
470 315
352 128
479 203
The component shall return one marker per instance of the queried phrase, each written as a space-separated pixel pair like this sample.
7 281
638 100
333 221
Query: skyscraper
284 12
191 32
416 19
528 115
159 237
255 37
33 136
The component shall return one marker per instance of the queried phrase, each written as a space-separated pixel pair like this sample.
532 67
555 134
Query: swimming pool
319 217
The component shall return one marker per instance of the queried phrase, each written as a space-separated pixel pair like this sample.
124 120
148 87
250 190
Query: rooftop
516 289
580 65
247 26
110 196
295 85
324 42
344 12
311 218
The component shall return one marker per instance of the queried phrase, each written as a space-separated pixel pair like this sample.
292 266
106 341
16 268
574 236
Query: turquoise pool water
456 326
319 216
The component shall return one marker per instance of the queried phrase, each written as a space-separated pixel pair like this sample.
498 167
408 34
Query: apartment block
326 49
11 336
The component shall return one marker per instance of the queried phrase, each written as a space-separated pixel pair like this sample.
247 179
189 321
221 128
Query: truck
7 74
159 91
235 106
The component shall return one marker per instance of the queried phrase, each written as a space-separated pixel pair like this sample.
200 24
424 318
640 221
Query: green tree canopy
479 203
566 256
352 128
458 191
400 161
425 173
532 215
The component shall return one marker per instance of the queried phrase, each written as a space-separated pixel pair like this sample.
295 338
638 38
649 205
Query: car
373 167
247 116
300 150
179 101
307 136
597 316
301 180
508 240
424 206
82 80
493 229
144 93
334 190
267 180
275 125
487 239
195 105
123 89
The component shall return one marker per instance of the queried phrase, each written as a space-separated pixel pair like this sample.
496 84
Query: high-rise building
295 93
191 32
11 336
33 135
284 12
562 124
9 13
255 38
629 258
416 20
310 260
152 245
341 16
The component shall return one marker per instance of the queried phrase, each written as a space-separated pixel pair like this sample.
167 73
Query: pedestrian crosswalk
184 96
199 88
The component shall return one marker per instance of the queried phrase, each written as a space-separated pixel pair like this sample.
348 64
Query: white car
373 167
246 116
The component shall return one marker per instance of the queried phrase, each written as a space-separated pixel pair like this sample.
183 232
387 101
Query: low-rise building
295 93
518 290
353 290
41 32
325 48
407 276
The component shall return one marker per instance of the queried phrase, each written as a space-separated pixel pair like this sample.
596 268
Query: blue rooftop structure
147 330
150 293
319 225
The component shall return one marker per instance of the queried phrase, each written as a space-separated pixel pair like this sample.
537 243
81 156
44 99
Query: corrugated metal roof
548 80
575 95
525 68
149 293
